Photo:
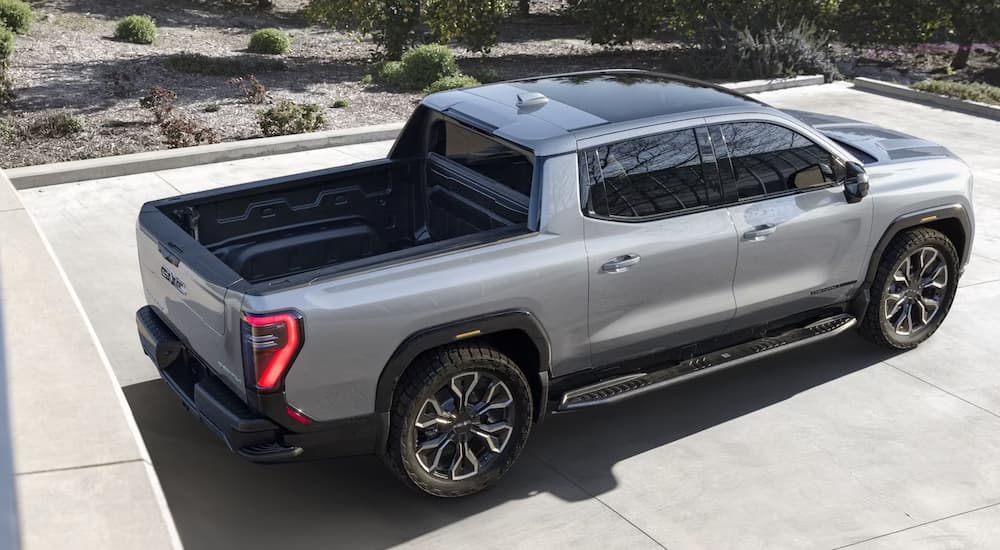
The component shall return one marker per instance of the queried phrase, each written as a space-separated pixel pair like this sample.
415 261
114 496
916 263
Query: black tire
430 377
876 327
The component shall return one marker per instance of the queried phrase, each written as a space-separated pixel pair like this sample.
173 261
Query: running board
623 387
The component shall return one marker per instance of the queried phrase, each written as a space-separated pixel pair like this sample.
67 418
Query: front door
802 246
661 247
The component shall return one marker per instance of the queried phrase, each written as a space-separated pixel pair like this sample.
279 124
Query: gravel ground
69 62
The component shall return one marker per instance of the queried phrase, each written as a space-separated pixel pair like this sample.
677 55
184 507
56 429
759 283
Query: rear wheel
913 289
461 416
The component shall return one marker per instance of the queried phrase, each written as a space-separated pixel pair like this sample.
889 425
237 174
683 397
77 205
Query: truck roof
549 114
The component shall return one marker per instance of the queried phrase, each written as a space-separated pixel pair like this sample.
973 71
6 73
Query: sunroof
618 97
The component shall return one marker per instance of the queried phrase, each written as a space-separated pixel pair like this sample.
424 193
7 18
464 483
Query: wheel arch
952 220
516 333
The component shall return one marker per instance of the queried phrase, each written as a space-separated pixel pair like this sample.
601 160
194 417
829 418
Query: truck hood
871 143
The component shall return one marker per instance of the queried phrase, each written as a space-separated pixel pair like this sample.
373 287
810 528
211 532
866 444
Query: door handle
621 263
760 232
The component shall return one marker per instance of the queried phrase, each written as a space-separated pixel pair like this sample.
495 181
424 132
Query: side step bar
623 387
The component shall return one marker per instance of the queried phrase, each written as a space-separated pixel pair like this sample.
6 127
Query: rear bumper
250 433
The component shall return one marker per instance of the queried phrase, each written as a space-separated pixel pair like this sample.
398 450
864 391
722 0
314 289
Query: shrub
7 95
288 117
485 75
340 104
784 51
614 22
183 131
269 41
137 29
6 44
212 108
160 101
424 65
252 90
196 63
976 91
472 23
55 125
16 15
389 74
450 83
393 24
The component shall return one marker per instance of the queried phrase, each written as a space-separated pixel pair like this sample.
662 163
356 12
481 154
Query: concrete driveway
839 444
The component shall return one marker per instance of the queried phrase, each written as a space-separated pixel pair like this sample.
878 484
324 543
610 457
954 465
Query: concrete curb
29 177
151 161
756 86
899 91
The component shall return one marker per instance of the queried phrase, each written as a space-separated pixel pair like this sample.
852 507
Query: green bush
614 22
137 29
472 23
425 65
783 51
269 41
393 24
389 74
976 91
6 44
340 104
55 125
451 82
16 15
485 74
288 117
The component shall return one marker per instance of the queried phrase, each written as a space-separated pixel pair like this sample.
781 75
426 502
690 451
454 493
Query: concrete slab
974 530
102 507
833 444
71 422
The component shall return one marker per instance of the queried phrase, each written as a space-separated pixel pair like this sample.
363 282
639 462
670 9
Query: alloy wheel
916 291
464 426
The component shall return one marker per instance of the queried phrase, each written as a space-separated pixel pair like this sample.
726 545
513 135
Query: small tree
971 22
472 23
392 23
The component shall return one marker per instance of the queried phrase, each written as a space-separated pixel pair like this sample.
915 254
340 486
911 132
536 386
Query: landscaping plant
424 65
289 117
269 41
137 29
16 15
251 89
976 91
177 129
450 83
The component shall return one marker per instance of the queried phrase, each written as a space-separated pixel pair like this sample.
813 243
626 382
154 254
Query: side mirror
856 184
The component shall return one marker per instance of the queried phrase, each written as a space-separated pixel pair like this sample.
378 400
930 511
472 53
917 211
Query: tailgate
189 289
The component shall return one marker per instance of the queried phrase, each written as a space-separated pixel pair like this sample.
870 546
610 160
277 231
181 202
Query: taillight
270 344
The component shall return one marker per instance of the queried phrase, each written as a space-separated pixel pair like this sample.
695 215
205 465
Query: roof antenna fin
531 99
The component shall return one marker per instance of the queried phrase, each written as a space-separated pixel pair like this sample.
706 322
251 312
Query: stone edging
898 91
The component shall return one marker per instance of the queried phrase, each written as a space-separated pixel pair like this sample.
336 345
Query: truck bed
291 225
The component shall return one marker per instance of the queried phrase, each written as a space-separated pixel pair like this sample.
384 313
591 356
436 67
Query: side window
768 159
492 159
648 176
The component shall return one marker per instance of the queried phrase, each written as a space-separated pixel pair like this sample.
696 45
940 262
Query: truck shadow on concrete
219 501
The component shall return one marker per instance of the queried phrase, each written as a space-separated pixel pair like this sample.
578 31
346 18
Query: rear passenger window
648 176
489 158
768 159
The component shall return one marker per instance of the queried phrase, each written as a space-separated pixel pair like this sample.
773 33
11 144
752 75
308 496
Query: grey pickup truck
535 246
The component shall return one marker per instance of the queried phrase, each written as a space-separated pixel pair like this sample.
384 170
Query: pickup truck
535 246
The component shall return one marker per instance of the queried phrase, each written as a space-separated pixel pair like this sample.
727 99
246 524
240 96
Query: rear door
802 246
661 247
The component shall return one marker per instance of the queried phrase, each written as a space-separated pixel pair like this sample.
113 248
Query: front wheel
913 289
460 418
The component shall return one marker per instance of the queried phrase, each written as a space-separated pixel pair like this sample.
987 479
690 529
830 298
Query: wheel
460 417
913 289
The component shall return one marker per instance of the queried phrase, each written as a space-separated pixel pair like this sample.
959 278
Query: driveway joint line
81 467
897 531
933 385
164 180
970 285
598 499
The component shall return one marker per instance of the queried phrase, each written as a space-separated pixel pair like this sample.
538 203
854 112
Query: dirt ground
68 62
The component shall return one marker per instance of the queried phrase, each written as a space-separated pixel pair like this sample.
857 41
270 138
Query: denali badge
173 280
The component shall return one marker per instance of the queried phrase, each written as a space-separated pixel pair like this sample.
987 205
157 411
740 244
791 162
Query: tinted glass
490 158
769 159
648 176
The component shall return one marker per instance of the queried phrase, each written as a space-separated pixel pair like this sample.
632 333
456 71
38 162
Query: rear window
501 163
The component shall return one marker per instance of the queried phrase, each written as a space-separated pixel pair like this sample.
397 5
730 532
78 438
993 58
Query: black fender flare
901 223
457 331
